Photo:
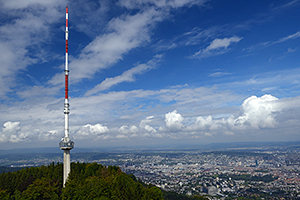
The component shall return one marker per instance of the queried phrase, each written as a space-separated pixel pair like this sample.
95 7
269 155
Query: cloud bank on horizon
150 72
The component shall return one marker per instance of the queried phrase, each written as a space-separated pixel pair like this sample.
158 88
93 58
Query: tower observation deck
66 144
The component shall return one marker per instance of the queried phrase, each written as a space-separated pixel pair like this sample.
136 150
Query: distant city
221 171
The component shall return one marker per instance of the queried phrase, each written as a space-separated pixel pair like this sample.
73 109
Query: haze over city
161 73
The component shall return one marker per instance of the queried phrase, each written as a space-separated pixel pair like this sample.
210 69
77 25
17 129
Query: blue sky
158 73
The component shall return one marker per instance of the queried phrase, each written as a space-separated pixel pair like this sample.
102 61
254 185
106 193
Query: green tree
4 195
124 187
153 193
42 189
86 181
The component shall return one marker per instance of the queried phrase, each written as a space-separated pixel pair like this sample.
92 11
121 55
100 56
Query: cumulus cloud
255 113
173 120
217 47
11 132
96 129
9 127
144 124
149 128
208 126
202 122
89 130
258 112
128 130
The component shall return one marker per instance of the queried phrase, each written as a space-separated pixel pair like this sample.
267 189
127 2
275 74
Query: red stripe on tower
67 16
66 87
67 47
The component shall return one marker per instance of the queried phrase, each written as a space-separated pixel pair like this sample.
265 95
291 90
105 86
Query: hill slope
86 181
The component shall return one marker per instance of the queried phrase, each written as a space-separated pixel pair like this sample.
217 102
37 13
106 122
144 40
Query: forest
86 181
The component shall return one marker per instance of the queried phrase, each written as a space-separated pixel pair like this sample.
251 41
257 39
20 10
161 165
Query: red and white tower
66 144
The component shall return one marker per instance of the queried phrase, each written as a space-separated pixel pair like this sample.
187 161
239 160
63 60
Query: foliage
86 181
42 189
247 177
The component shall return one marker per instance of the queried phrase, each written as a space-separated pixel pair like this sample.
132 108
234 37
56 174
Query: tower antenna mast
66 144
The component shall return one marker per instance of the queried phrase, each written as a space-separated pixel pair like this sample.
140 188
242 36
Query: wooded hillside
86 181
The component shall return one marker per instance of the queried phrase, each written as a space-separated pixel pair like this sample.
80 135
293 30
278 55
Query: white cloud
21 4
11 132
271 43
256 113
217 47
173 120
144 124
126 130
27 27
202 122
149 128
49 135
259 112
37 91
222 43
9 127
289 37
291 50
131 4
206 125
127 76
123 34
218 74
89 16
269 89
121 136
96 129
91 130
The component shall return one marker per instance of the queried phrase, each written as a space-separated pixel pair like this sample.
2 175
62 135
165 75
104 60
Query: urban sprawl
216 175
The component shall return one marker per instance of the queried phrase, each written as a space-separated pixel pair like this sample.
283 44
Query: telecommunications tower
66 144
